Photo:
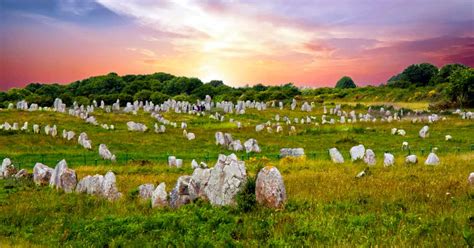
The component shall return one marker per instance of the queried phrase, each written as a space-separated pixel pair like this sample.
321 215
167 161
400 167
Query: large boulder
226 179
136 127
42 174
159 196
336 156
7 169
270 189
357 152
145 191
432 159
63 178
369 157
199 180
220 138
56 175
424 132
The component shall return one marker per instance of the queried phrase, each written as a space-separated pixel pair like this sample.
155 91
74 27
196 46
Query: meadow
403 205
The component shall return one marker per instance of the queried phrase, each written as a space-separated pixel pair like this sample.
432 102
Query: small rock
432 159
145 191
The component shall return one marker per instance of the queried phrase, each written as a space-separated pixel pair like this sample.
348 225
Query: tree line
159 87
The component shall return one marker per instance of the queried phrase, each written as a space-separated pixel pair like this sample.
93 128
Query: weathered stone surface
357 152
7 169
159 197
172 161
105 153
226 179
259 128
424 132
432 159
251 145
67 180
56 175
109 187
219 138
291 152
199 180
182 193
388 159
270 188
411 159
136 127
42 174
236 146
470 179
21 174
145 191
336 156
194 164
369 157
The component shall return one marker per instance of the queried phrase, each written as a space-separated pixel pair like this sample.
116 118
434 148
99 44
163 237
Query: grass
404 205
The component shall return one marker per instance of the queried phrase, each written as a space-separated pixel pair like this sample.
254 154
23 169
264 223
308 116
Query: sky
310 43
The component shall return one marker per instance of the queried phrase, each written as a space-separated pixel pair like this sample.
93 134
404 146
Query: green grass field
403 205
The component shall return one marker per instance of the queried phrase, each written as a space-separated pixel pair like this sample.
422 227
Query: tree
420 74
462 87
446 71
345 82
143 95
158 97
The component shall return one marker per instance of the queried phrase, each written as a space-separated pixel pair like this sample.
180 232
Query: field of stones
293 173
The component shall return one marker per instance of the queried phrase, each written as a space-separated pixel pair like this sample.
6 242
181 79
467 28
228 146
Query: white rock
470 179
251 145
388 159
269 188
369 157
159 196
145 191
42 174
424 132
448 137
336 156
357 152
432 159
411 159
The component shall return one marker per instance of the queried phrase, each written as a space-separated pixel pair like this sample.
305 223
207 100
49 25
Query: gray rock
357 152
226 179
67 180
432 159
109 187
336 156
199 180
42 174
21 174
182 193
291 152
56 175
251 145
159 196
369 157
388 159
270 189
411 159
470 179
424 132
145 191
7 169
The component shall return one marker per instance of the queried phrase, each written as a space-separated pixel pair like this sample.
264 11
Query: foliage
345 82
461 89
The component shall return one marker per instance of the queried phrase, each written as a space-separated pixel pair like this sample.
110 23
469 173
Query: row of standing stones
218 185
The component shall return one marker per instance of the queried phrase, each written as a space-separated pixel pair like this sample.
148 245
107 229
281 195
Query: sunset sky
310 43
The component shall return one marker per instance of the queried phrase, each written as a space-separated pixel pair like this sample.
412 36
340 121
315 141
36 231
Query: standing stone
42 174
7 169
388 159
172 161
159 196
55 176
226 180
470 179
109 189
199 180
145 191
336 156
424 132
432 159
67 180
194 164
270 189
357 152
411 159
369 157
251 145
182 194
